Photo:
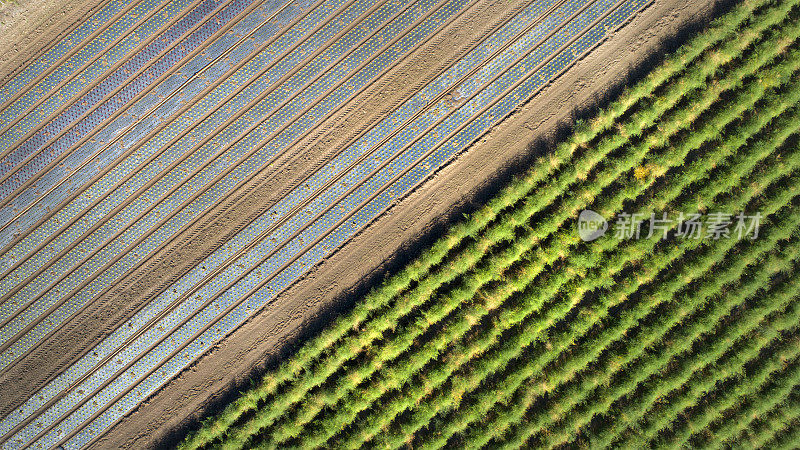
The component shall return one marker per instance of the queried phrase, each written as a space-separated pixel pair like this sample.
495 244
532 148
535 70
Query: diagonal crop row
726 146
572 368
724 414
786 438
533 424
768 384
682 333
773 425
644 342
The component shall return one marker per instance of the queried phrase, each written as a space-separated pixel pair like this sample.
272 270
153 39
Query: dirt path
29 27
388 241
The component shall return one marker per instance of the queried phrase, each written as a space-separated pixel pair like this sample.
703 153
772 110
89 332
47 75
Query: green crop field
513 331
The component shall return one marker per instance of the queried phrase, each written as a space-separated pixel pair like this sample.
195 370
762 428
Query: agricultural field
323 223
512 331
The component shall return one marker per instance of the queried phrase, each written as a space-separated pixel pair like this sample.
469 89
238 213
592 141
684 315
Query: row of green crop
338 355
753 395
655 391
681 386
774 426
767 427
632 361
346 411
759 373
556 348
486 432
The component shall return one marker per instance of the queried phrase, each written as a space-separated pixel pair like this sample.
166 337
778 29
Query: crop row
644 251
521 278
776 265
633 354
774 427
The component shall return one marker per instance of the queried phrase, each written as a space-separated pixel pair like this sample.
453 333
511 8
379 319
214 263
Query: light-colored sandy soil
379 248
30 27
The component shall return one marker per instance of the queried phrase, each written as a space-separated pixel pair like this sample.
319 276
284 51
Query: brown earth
377 250
29 27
